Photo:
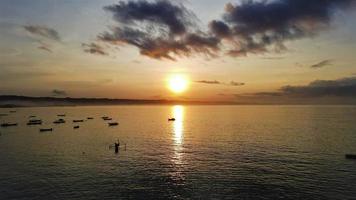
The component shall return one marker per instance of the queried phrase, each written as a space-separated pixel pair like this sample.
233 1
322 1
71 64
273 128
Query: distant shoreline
14 101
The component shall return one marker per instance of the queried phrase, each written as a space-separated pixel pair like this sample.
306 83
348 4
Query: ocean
208 152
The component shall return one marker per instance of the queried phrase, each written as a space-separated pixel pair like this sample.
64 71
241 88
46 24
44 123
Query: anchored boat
8 124
113 124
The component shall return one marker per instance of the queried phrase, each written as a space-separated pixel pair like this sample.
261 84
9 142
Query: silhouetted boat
61 115
350 156
12 111
79 120
35 122
46 129
75 127
171 119
32 116
113 124
8 124
90 118
106 118
59 121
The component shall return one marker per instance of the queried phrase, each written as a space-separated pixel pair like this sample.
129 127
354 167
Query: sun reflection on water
178 128
177 174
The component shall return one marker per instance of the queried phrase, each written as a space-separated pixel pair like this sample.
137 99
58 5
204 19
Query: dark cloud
163 29
159 29
345 87
215 82
45 48
321 64
94 48
176 18
233 83
261 26
43 31
56 92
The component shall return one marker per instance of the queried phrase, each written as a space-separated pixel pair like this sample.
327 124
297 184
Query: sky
243 51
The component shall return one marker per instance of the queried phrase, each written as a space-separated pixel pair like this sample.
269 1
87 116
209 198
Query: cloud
94 48
233 83
344 87
45 48
162 29
43 31
209 82
56 92
159 29
322 64
261 26
215 82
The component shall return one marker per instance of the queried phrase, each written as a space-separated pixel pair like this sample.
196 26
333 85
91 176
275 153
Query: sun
178 83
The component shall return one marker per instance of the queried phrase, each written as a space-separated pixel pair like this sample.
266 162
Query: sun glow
178 83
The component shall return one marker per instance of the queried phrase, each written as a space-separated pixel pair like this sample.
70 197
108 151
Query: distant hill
24 101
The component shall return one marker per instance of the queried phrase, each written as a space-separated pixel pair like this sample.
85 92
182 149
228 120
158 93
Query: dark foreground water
209 152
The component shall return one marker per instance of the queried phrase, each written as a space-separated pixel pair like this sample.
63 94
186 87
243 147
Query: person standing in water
117 146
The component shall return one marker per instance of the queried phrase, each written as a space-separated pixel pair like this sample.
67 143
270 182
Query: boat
12 111
61 115
75 127
79 120
32 116
46 129
8 124
106 118
34 122
350 156
90 118
59 121
171 119
113 124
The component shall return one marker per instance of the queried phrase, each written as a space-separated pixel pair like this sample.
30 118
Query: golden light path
178 136
178 114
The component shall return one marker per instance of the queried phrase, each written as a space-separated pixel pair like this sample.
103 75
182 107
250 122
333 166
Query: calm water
209 152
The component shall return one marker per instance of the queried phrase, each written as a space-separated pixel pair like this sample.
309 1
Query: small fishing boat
46 129
59 121
350 156
171 119
61 115
34 122
78 120
90 118
32 116
107 118
113 124
75 127
8 124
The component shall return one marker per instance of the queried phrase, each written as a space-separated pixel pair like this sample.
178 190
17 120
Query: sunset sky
247 51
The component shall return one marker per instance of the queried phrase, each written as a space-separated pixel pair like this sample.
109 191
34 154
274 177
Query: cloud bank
215 82
163 29
159 29
344 87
